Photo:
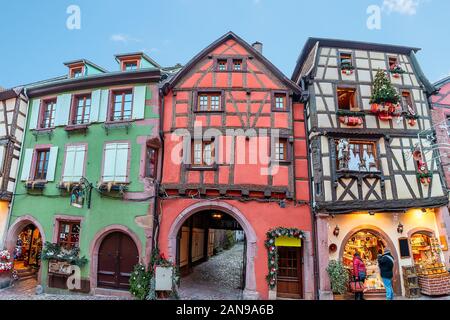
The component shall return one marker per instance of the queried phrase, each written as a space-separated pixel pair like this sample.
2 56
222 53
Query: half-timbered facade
235 158
13 109
376 182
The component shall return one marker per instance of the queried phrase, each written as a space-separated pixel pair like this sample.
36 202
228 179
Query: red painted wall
248 105
440 113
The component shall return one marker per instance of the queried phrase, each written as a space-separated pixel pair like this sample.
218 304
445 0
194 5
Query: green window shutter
121 167
109 162
95 105
51 168
139 102
26 165
62 110
104 102
34 113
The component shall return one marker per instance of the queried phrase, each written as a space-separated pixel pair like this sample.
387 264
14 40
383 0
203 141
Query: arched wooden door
117 256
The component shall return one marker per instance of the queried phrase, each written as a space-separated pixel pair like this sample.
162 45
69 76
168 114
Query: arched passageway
211 253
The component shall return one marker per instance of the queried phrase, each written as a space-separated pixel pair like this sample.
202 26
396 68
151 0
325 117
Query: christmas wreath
272 250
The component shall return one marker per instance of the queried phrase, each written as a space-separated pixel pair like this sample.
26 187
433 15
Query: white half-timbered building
376 181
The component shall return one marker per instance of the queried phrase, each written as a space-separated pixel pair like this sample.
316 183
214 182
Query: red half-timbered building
235 158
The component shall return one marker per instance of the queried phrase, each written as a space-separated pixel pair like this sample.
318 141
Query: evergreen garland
140 282
383 90
272 250
53 251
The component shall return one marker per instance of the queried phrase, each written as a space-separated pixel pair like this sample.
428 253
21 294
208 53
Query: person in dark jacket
359 273
386 265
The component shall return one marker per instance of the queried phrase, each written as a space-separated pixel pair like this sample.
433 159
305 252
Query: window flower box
385 111
351 118
76 128
396 71
411 116
35 185
109 187
347 68
67 186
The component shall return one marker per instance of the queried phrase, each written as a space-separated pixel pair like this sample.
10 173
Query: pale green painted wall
91 70
104 211
147 64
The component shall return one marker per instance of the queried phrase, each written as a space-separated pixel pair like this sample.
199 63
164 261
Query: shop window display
369 246
434 279
426 252
28 248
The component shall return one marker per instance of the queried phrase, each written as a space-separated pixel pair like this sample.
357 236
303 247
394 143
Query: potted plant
339 278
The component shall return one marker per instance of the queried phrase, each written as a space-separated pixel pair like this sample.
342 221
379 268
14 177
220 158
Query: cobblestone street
26 290
217 279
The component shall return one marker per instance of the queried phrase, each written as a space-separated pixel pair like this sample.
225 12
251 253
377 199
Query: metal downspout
157 213
311 201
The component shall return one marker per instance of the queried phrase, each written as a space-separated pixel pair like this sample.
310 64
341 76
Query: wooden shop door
289 278
117 257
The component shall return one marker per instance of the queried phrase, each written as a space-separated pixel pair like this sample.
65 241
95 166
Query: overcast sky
35 39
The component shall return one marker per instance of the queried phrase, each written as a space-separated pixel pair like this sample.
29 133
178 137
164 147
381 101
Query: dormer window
76 72
130 65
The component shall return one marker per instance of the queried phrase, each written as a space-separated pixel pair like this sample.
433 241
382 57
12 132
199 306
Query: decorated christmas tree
383 90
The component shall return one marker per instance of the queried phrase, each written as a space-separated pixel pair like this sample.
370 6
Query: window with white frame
115 166
74 163
203 153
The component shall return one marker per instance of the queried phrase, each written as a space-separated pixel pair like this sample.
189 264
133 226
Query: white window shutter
34 113
103 109
69 164
62 110
26 166
52 164
139 102
95 105
109 162
121 167
80 155
2 156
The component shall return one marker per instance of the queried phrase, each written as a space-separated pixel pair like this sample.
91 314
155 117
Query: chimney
258 46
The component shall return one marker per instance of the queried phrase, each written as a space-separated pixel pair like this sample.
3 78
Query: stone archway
250 277
389 244
16 228
94 249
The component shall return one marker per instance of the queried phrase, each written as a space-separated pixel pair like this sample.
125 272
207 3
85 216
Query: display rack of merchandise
411 282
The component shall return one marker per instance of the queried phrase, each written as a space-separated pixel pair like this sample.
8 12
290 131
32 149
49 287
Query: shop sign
288 242
77 197
59 267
